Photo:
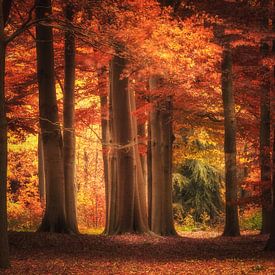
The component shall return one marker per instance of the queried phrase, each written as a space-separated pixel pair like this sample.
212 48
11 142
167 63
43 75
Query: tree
270 245
149 172
68 120
54 219
161 150
126 199
4 247
231 207
265 158
271 241
103 90
197 183
200 194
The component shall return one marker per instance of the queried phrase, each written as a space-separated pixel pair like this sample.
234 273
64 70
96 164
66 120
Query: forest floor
193 253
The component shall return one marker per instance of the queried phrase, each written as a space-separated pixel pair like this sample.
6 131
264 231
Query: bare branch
22 19
25 26
210 116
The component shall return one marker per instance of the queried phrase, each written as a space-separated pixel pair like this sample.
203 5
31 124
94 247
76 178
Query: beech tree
68 120
54 219
265 158
159 159
149 172
4 247
271 241
270 245
231 188
161 215
126 199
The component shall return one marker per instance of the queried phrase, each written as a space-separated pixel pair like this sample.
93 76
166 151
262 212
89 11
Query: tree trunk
126 206
103 91
111 189
41 171
54 219
140 209
265 158
4 247
104 135
149 172
161 146
141 135
69 130
231 188
270 245
271 241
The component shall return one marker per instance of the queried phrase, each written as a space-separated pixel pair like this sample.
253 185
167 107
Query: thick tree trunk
126 211
141 135
41 171
231 188
103 91
4 247
69 130
54 219
111 196
161 146
140 207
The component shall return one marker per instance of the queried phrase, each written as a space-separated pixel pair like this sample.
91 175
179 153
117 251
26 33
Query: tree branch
210 116
25 26
22 19
6 10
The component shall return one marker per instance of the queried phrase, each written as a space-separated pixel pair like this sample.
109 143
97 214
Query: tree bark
140 207
111 196
141 134
4 247
231 188
69 121
41 171
149 172
54 219
126 206
270 245
104 135
161 147
6 5
103 91
265 158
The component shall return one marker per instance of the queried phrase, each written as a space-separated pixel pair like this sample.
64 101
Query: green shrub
251 220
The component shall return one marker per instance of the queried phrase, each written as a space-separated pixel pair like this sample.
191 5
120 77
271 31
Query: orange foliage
184 51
